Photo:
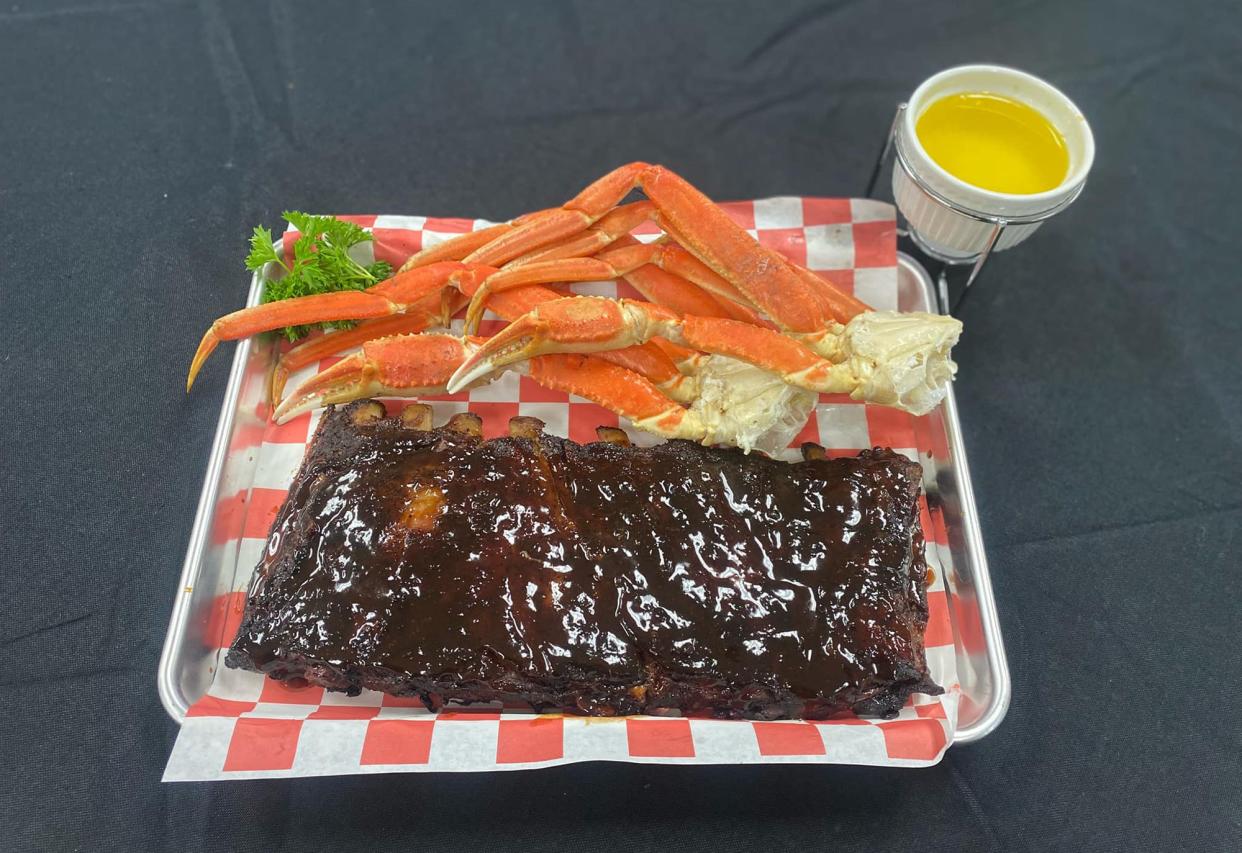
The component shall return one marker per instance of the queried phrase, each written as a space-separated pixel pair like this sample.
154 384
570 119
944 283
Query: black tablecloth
1099 388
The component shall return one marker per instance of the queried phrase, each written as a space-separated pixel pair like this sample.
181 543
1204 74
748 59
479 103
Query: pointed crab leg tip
276 388
470 371
205 347
344 381
517 342
290 409
307 399
474 314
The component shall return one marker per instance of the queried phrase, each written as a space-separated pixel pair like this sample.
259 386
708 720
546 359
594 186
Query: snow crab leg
431 312
874 353
412 365
764 278
610 264
417 365
392 296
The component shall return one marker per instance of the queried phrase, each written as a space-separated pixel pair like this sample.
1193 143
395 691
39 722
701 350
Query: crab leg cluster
731 346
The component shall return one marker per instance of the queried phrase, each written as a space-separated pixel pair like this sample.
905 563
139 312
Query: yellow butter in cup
964 170
994 142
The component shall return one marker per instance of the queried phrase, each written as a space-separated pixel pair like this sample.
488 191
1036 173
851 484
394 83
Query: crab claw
396 366
416 318
570 325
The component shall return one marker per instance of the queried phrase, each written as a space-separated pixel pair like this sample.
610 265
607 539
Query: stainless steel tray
191 648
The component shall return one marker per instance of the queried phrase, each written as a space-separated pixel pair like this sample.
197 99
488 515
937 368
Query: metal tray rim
171 696
176 704
997 662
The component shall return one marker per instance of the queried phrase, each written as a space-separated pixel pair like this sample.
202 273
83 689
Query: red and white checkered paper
247 726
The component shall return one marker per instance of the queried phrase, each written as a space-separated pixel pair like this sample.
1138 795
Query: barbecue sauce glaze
597 579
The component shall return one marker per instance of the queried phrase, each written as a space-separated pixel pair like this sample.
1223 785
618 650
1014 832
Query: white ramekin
955 234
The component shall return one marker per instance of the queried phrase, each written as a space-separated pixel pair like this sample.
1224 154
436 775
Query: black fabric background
1099 388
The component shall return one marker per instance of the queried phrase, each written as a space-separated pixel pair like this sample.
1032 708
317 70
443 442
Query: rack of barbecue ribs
601 578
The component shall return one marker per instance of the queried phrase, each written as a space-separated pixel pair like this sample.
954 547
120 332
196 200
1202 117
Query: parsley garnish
321 263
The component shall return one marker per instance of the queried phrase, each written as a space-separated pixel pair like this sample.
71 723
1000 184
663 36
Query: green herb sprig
320 263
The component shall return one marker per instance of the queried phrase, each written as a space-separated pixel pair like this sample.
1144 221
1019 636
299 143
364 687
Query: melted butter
994 142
